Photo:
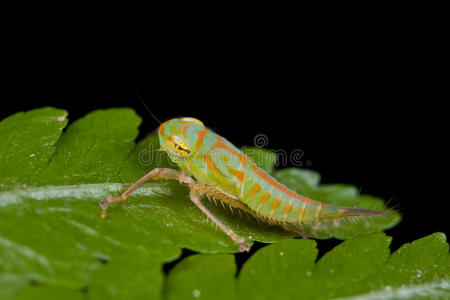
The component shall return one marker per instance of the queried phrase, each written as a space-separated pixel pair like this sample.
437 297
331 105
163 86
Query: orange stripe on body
184 127
300 215
238 174
200 136
287 209
275 204
161 127
256 188
211 165
319 210
222 145
278 185
264 198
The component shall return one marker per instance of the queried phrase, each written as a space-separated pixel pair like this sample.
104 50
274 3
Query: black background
379 137
368 112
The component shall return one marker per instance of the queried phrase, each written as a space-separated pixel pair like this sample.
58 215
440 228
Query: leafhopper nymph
225 173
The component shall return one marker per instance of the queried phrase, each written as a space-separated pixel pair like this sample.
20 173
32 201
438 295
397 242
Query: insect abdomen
273 200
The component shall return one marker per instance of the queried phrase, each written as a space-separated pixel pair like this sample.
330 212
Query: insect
223 172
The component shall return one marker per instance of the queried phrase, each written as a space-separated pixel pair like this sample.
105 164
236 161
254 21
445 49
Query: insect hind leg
195 196
294 229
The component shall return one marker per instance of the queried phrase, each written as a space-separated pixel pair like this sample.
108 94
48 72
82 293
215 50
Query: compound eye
178 146
192 120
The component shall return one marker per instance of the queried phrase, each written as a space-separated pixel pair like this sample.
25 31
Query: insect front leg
195 196
157 173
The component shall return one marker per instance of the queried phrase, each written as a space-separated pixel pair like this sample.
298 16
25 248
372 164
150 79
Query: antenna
145 105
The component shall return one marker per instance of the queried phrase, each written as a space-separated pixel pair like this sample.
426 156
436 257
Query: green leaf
52 239
93 149
264 158
277 270
360 268
205 276
27 141
300 180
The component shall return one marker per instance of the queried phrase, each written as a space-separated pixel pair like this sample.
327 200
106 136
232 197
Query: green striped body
216 163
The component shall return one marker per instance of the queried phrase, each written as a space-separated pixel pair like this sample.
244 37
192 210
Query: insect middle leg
195 195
